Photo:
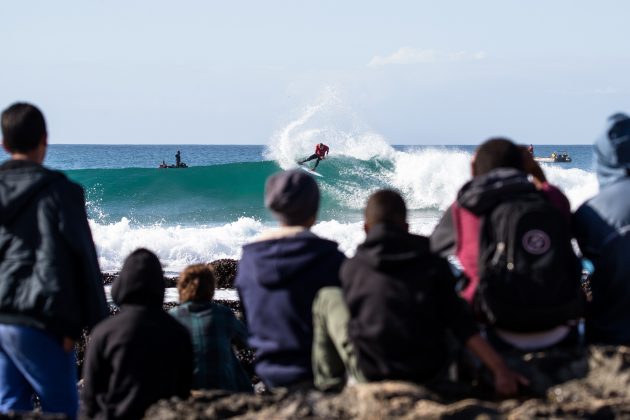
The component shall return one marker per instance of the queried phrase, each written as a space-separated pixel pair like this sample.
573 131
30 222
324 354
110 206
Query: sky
236 72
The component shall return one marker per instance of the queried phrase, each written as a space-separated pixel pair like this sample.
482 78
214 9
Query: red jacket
321 151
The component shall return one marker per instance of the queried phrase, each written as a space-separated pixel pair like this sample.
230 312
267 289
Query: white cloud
410 55
605 91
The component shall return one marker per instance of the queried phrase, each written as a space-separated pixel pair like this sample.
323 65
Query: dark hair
23 127
196 284
497 153
385 206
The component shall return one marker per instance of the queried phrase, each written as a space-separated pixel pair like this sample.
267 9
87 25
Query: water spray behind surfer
321 151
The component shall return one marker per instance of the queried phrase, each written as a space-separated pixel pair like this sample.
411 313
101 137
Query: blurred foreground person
50 282
603 231
141 355
278 277
512 237
213 328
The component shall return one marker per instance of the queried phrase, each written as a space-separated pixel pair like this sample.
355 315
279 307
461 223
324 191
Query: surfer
530 149
321 150
178 159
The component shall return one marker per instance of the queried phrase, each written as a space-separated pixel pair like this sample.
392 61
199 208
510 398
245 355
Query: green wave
208 194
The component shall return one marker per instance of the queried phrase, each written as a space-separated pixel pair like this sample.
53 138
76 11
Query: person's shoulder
104 329
222 310
60 182
171 324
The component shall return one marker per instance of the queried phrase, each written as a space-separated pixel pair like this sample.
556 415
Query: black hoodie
402 301
49 273
141 355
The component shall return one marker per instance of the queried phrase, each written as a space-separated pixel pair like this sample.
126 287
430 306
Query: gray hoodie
602 225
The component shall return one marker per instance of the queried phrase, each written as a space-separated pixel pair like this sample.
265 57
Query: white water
171 294
428 178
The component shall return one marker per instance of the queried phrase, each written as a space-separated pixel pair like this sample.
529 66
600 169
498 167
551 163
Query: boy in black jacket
50 282
400 302
141 355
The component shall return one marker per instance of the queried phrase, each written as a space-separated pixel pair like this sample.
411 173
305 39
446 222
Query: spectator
278 277
142 354
213 329
550 275
602 226
401 304
50 282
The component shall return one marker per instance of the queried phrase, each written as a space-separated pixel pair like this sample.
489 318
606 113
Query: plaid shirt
213 328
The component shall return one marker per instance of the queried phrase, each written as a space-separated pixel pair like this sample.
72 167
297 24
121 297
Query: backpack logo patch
536 242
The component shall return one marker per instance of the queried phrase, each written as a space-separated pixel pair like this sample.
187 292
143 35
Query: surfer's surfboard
305 169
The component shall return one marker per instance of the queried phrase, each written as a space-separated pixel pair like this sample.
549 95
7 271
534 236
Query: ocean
211 209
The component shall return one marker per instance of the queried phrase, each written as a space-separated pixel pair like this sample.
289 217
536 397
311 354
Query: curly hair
196 283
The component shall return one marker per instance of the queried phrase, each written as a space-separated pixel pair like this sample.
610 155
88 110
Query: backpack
529 275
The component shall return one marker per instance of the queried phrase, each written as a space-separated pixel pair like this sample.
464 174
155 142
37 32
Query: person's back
401 299
278 277
142 354
602 227
500 230
214 329
397 304
50 282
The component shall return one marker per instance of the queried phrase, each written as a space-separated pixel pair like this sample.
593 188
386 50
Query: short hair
385 206
196 284
497 153
23 127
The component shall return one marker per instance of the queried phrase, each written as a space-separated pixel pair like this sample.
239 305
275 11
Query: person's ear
5 147
43 146
366 227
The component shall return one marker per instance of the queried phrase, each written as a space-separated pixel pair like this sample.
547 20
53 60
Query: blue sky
416 72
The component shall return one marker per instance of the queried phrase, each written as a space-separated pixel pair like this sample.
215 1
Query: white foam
327 121
577 184
176 246
430 178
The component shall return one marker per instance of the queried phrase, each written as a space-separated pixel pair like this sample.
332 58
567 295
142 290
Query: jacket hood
612 150
484 192
391 246
20 181
279 261
140 282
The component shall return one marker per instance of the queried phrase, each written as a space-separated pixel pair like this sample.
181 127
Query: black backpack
529 275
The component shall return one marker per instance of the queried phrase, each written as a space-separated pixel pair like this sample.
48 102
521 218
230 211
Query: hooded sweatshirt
602 227
402 302
141 355
49 273
277 281
458 231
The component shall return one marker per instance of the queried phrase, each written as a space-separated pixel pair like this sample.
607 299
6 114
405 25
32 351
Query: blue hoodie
602 225
277 280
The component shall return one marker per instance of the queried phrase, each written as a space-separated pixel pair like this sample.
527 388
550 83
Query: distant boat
182 165
555 157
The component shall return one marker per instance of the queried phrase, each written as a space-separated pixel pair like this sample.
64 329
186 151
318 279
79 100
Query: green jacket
213 329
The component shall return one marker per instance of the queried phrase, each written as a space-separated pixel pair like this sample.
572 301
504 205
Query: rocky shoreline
593 383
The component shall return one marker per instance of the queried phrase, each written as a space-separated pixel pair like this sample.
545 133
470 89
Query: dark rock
108 278
31 415
225 272
592 383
